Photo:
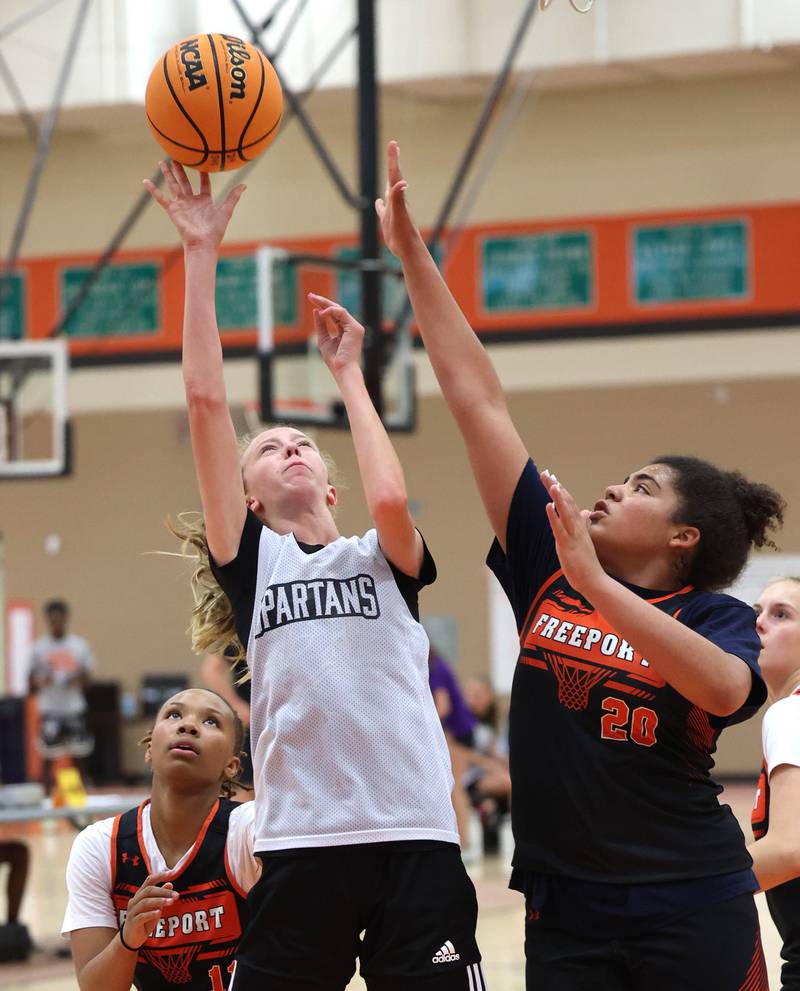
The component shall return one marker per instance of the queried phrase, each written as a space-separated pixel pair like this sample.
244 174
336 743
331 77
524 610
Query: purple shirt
460 722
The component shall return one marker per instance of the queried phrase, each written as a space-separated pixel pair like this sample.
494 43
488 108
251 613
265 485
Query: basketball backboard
33 409
294 384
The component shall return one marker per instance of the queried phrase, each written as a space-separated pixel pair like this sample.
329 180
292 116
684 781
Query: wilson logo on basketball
213 102
237 55
193 64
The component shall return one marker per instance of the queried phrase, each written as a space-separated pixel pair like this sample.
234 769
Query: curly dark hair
732 514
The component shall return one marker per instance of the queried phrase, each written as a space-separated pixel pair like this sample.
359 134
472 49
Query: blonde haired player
157 895
776 852
354 822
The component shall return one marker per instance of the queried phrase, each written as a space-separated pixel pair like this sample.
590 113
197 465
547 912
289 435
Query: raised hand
200 222
570 526
146 908
340 336
399 230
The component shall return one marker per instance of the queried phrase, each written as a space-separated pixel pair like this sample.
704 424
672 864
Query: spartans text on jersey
322 598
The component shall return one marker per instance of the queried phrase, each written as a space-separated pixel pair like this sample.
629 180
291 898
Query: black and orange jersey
611 766
195 941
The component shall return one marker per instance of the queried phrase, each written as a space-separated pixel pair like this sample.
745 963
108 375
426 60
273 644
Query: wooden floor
500 926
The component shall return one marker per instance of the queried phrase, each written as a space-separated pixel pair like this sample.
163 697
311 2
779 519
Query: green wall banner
237 297
553 271
123 302
12 306
675 263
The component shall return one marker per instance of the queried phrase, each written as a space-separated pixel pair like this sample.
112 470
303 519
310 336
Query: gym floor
500 928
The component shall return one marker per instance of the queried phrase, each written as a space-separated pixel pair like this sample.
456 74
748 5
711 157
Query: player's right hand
146 908
200 222
340 336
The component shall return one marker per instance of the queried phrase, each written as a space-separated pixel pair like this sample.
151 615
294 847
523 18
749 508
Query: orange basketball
213 102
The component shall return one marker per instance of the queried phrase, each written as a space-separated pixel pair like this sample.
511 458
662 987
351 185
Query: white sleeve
36 662
89 880
244 864
780 733
87 660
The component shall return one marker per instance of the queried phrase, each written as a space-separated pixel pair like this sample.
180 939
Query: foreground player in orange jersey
157 895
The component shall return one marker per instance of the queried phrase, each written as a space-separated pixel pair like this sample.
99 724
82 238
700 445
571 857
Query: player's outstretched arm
201 224
776 856
340 337
465 373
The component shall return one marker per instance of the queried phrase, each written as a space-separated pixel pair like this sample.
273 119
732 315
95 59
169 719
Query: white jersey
89 867
347 745
780 733
61 660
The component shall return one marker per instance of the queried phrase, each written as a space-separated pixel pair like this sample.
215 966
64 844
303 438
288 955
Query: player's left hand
398 229
570 526
200 222
340 336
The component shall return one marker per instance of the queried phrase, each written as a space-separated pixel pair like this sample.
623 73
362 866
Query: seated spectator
458 724
487 780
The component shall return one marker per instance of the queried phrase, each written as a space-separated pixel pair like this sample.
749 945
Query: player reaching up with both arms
354 822
630 667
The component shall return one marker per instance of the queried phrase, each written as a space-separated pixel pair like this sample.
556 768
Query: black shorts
716 948
408 911
64 736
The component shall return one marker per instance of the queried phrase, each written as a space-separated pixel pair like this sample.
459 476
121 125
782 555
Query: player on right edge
776 852
635 878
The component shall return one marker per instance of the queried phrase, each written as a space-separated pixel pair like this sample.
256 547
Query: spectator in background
15 940
488 780
223 675
459 728
60 667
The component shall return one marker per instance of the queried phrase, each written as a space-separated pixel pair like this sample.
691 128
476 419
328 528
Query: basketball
213 102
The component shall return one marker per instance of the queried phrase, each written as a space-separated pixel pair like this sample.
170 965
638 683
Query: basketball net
574 681
174 965
587 5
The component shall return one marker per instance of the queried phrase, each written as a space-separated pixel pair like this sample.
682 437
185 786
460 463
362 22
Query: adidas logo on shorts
446 954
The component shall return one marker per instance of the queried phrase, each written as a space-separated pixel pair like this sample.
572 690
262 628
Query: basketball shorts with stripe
717 947
407 911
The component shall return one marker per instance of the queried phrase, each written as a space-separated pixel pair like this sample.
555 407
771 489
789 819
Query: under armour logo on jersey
324 598
446 954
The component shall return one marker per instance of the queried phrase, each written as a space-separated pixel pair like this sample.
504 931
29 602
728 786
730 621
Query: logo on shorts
446 954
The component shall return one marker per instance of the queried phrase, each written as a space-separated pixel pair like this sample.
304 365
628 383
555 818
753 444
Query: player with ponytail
354 820
631 664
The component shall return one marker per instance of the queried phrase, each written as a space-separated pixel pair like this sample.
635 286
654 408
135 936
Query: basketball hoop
587 5
575 681
174 966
